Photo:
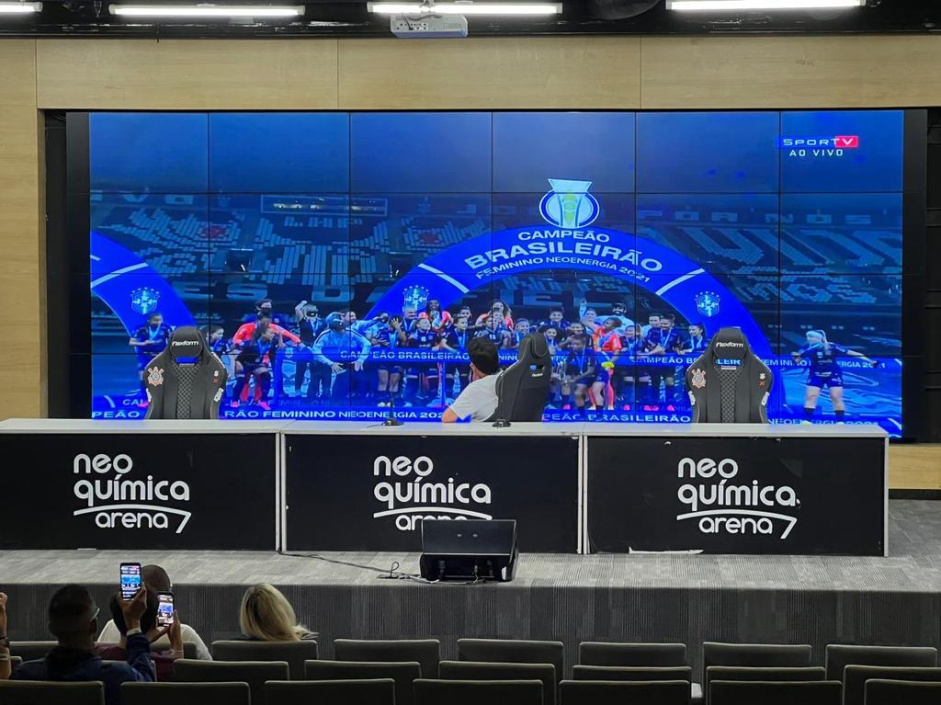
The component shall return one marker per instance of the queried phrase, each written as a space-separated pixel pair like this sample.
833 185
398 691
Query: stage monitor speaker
468 549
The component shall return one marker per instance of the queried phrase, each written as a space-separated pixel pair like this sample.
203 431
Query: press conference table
577 487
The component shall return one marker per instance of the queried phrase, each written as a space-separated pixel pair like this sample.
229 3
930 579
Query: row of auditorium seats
628 673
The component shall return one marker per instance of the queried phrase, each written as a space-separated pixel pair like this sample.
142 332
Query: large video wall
375 245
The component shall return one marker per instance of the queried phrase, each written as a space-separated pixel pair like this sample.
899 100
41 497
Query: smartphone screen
165 609
130 580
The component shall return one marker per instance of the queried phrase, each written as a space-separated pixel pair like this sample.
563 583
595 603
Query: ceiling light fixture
465 8
19 8
207 11
737 5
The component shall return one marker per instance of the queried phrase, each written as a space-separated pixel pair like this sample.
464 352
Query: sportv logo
134 501
428 500
816 147
736 509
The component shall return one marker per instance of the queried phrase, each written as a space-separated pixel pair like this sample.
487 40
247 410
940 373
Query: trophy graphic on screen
569 205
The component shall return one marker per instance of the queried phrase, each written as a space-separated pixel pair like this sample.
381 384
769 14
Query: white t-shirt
111 635
478 400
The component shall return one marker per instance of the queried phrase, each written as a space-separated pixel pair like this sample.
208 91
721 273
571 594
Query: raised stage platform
688 598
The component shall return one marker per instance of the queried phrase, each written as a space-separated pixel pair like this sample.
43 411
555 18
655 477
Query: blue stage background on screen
378 244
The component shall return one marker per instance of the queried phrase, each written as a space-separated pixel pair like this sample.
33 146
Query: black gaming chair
185 381
728 384
523 388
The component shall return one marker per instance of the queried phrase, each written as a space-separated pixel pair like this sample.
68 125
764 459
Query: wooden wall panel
135 74
915 467
790 72
22 265
510 73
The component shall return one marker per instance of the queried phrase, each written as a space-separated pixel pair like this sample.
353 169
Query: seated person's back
479 400
266 615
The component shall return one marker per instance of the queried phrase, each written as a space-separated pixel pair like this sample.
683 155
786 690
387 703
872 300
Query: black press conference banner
737 495
371 493
139 491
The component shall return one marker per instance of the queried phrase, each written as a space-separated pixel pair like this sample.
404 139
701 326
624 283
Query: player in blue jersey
149 341
456 340
698 342
421 379
582 374
386 339
825 372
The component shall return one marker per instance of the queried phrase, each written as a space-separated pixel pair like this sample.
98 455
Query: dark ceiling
349 18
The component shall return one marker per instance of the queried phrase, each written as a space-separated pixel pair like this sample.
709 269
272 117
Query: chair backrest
599 653
622 692
729 364
31 650
15 662
632 673
404 674
190 650
492 671
294 653
892 692
366 691
427 652
255 673
523 388
762 673
186 380
513 651
186 694
776 692
841 655
48 693
855 678
779 655
447 692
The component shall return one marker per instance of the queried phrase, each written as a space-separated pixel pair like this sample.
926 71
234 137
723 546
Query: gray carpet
789 599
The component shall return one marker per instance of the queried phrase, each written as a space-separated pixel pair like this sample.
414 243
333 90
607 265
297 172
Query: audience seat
31 650
255 673
427 652
841 655
777 655
624 692
48 693
600 653
892 692
367 691
513 651
186 694
855 678
446 692
294 653
762 673
404 674
775 693
492 671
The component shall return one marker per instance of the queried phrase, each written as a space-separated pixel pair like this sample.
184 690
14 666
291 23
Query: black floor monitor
469 549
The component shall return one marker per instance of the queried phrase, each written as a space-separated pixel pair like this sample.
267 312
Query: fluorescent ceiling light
733 5
207 10
466 8
19 8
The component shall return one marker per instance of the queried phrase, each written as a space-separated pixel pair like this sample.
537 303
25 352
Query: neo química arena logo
569 205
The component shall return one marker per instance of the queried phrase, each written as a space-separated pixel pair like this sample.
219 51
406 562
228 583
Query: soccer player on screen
149 341
825 372
582 375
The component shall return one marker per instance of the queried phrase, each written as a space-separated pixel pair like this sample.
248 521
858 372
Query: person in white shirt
479 399
157 581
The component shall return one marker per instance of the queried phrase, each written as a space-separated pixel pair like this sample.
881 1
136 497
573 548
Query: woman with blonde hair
266 615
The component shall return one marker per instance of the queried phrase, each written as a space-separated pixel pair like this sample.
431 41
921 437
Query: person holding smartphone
150 627
5 664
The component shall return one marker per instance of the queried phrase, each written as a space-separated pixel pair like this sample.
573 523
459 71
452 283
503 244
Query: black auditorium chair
624 692
48 693
728 383
366 691
294 653
492 671
523 388
892 692
255 673
855 679
186 694
427 652
404 674
602 653
185 381
442 692
632 673
763 673
513 651
841 655
775 693
770 655
31 650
